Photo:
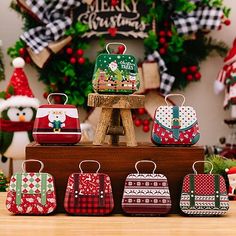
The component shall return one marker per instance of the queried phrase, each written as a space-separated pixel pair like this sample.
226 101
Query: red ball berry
146 128
169 33
73 60
141 111
45 95
146 122
184 70
69 51
162 51
134 117
162 40
227 22
197 76
81 60
7 95
22 51
137 122
193 68
121 49
28 60
114 2
220 27
189 77
162 33
80 52
57 99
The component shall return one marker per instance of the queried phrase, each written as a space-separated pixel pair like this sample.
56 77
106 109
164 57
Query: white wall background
200 95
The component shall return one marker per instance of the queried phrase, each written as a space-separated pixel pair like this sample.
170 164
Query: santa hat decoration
22 94
231 170
231 56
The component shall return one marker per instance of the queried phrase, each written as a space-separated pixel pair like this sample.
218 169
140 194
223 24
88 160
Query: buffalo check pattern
88 194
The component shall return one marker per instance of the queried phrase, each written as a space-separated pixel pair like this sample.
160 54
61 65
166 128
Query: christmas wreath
178 42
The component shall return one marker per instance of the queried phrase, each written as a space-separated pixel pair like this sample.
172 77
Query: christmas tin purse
57 123
204 194
175 125
31 193
146 193
89 193
116 73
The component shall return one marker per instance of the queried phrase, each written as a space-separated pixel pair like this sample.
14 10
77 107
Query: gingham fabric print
54 16
31 193
202 18
204 194
167 80
89 194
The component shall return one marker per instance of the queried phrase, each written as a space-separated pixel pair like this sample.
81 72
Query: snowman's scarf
15 126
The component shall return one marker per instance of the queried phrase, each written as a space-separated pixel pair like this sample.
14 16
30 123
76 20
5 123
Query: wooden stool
115 118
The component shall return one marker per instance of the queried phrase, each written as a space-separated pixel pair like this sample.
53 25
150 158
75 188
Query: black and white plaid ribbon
166 79
53 14
202 18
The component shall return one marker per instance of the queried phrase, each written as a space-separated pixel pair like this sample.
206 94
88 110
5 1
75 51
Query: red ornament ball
134 117
28 60
57 99
193 68
146 122
114 2
69 51
189 77
81 60
184 70
45 95
22 51
80 52
227 22
141 111
73 60
138 122
162 33
197 76
162 51
121 49
162 40
146 128
169 33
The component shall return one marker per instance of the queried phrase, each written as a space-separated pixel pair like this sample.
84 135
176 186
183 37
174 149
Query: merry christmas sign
119 20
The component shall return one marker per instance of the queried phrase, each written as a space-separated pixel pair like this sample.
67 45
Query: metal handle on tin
80 167
32 160
56 94
193 166
174 94
115 43
147 161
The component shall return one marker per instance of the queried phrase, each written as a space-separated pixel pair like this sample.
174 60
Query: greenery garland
67 72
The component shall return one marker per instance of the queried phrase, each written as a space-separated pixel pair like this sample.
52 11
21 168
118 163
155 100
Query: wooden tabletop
61 224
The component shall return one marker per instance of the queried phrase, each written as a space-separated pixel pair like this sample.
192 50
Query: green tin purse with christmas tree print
116 73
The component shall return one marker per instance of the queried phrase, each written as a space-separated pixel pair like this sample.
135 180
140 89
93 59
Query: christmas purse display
57 123
204 194
89 193
116 73
31 193
146 193
175 125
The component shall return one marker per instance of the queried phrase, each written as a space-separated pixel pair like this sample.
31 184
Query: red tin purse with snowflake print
89 193
31 193
204 194
175 125
57 123
146 194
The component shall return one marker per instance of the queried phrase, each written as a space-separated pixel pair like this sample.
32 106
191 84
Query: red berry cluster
76 56
114 2
224 21
163 38
25 55
141 122
191 73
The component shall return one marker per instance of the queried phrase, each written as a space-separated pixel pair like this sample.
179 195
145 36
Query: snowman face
232 180
20 114
113 66
57 116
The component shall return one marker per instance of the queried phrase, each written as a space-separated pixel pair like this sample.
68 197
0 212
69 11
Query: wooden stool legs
104 121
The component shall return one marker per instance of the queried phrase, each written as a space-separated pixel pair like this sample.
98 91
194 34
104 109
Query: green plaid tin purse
116 73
